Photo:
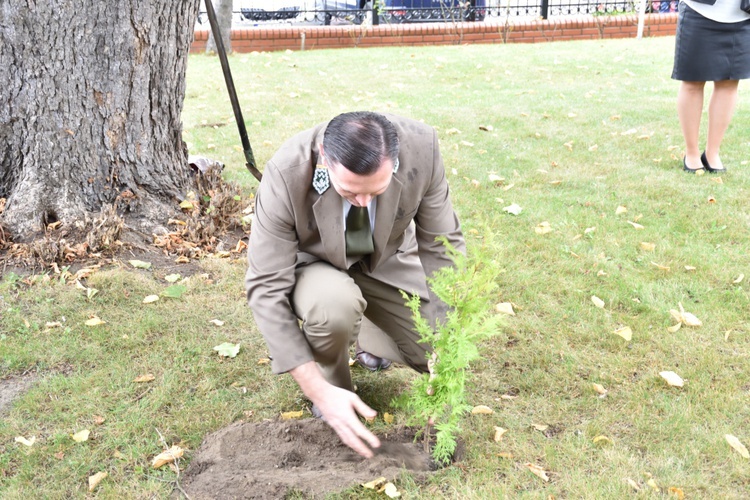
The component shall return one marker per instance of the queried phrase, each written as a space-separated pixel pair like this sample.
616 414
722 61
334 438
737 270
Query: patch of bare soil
274 459
11 388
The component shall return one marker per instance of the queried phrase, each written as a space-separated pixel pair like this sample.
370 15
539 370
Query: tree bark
223 10
90 99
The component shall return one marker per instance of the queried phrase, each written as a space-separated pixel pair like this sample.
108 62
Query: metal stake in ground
249 158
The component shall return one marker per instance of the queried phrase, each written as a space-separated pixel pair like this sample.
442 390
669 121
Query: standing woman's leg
689 111
720 111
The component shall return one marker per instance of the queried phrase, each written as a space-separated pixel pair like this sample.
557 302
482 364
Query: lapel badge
321 181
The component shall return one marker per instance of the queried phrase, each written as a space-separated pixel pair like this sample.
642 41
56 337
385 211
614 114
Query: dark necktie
358 234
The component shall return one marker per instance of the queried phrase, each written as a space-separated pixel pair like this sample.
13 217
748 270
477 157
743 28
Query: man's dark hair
360 141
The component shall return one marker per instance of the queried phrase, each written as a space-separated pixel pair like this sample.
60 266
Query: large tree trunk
223 10
90 99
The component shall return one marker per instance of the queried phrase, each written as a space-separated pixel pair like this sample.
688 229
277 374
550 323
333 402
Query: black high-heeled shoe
708 167
688 169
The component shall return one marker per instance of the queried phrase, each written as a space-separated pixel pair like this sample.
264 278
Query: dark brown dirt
12 387
274 459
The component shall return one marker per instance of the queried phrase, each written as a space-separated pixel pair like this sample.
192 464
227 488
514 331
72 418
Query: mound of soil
273 459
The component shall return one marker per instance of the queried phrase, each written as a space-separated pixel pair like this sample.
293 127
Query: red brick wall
318 37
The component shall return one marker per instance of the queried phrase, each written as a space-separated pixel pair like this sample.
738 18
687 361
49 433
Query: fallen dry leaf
672 379
98 419
540 427
375 484
737 445
291 415
648 247
739 279
390 490
387 418
686 318
217 322
677 492
151 298
24 441
499 431
52 324
621 210
267 361
94 321
96 479
599 388
167 457
625 332
690 268
651 482
656 264
633 484
635 225
538 471
674 328
81 436
148 377
602 439
597 301
505 308
543 228
482 410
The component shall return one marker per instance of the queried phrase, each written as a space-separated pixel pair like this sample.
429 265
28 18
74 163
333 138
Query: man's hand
339 408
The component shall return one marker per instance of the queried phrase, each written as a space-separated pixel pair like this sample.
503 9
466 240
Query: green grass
597 116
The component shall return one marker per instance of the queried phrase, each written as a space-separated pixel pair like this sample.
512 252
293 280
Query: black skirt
707 51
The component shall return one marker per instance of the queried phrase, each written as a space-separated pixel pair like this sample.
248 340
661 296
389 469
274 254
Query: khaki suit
294 227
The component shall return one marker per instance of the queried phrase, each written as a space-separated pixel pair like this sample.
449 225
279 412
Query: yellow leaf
387 418
589 230
690 268
452 131
674 328
391 491
186 204
291 415
467 144
635 225
168 456
99 420
688 319
94 321
505 308
625 332
482 410
52 324
648 247
81 436
24 441
602 439
505 454
594 147
217 322
508 187
663 268
737 445
499 431
148 377
150 298
672 379
677 492
739 279
375 484
620 210
496 179
597 301
538 471
265 361
543 228
600 272
96 479
653 484
599 388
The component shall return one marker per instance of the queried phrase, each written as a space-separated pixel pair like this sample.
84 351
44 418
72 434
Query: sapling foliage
438 397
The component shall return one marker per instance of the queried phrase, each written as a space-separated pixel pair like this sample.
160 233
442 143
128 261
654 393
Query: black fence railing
470 11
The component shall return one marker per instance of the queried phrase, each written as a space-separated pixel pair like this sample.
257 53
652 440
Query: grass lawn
575 130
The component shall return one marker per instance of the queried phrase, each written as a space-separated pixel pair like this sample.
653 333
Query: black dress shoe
370 361
688 169
708 167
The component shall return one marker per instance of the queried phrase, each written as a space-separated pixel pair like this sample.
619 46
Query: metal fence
469 11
